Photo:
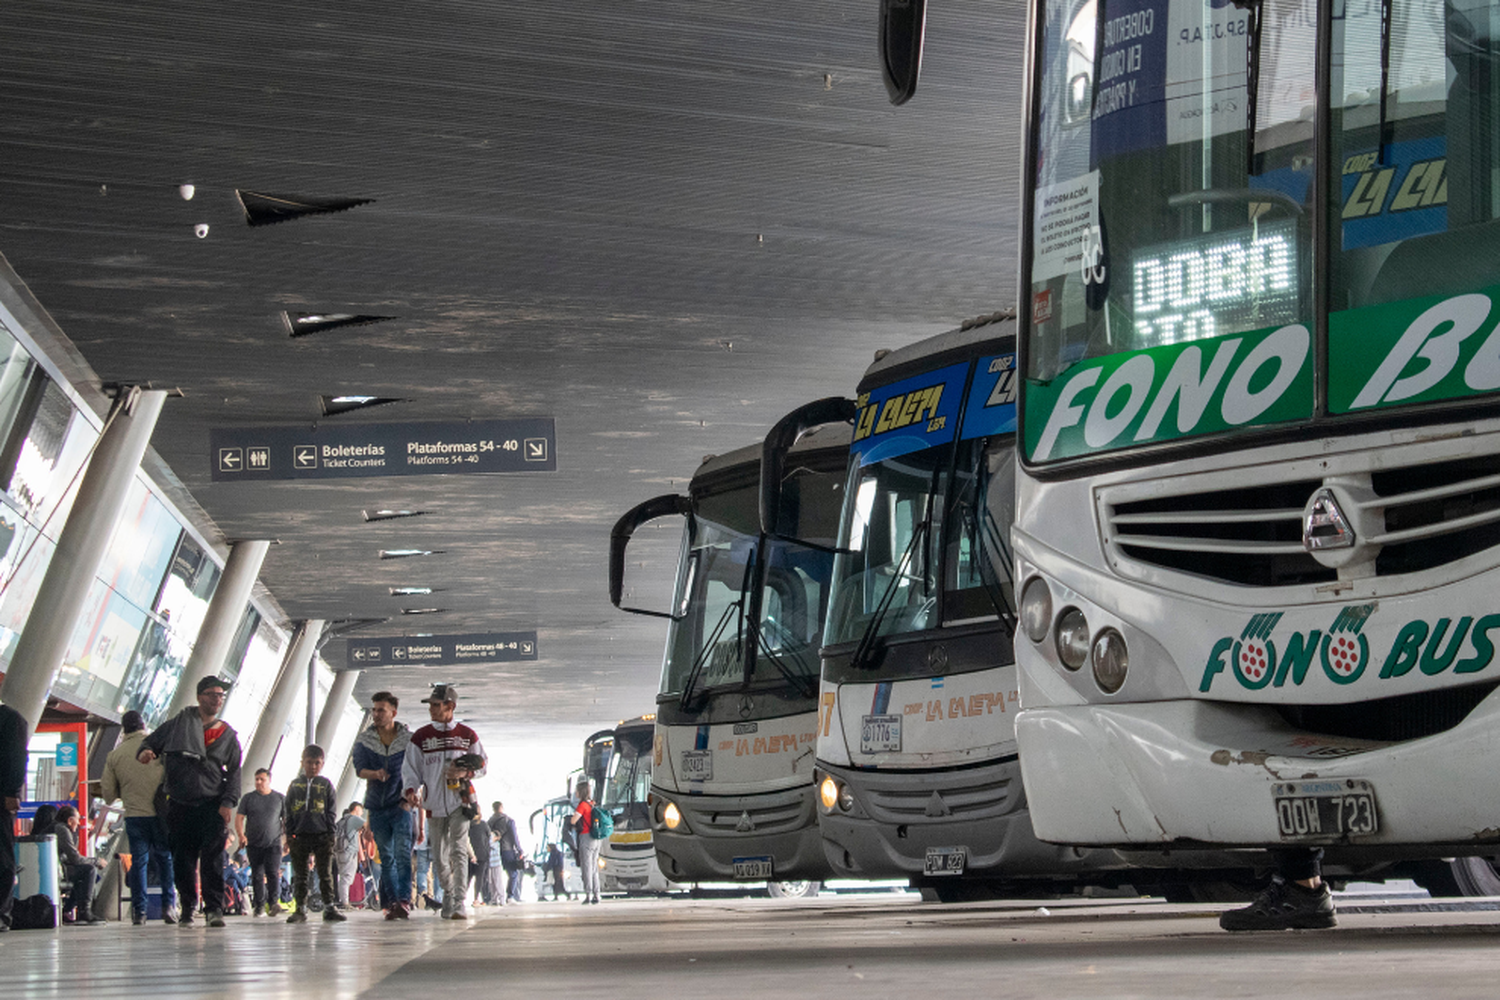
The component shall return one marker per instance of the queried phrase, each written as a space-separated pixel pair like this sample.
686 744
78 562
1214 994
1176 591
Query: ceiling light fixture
409 591
300 324
265 209
390 515
333 405
423 611
408 553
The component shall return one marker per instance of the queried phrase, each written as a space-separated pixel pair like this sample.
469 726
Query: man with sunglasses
201 754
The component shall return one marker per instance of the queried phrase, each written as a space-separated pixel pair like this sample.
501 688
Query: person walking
479 866
378 754
346 849
441 760
512 858
201 755
14 735
555 865
588 847
262 834
309 819
135 785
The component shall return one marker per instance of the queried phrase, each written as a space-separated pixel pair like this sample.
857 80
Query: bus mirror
784 434
619 539
902 24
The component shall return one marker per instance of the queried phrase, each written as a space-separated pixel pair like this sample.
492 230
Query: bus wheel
793 890
1476 876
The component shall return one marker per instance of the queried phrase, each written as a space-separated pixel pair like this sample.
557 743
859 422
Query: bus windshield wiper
984 540
872 630
803 681
705 653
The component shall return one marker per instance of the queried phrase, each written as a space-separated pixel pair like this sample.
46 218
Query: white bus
627 860
732 796
1258 526
916 756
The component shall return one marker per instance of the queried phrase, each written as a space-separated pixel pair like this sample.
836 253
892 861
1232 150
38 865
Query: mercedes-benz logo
747 705
937 659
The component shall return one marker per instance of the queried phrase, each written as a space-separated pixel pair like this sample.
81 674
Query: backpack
602 825
34 913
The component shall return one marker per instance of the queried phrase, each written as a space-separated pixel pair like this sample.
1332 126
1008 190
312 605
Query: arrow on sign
305 456
229 459
536 449
526 647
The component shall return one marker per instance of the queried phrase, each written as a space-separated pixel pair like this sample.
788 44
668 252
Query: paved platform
841 948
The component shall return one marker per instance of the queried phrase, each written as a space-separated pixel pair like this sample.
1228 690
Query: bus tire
793 890
1476 876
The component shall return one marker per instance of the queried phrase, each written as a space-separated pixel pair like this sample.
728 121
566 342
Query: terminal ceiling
663 224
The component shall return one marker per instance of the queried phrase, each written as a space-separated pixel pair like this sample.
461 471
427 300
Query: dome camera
200 230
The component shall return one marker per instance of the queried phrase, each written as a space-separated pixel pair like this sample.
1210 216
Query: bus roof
964 340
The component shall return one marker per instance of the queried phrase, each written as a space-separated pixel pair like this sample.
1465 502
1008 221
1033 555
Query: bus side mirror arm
619 539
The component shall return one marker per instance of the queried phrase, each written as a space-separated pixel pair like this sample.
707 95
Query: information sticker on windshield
698 765
880 734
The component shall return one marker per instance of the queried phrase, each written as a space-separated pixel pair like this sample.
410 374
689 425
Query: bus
1259 443
627 860
554 830
916 757
732 797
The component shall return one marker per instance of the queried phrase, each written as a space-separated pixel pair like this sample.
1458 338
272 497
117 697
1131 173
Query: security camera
200 230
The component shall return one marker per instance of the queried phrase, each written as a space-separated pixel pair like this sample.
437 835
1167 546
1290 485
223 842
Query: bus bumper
717 829
897 817
1205 773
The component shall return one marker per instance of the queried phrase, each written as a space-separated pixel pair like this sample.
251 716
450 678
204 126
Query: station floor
834 947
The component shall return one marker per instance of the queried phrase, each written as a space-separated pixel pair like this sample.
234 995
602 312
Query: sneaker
274 909
214 918
1283 905
137 917
256 911
394 913
297 917
169 915
331 915
186 920
403 911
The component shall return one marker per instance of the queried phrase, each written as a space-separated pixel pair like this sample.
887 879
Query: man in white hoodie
135 785
434 781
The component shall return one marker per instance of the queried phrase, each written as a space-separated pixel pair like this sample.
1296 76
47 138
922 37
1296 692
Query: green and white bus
1257 527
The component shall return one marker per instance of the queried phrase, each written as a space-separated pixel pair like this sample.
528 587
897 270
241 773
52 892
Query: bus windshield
629 779
917 519
727 634
1172 270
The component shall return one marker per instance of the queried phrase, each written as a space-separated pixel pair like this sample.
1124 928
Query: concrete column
333 708
349 783
225 612
281 703
80 548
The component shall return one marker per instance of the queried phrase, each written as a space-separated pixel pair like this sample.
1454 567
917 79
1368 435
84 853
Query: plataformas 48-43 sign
527 444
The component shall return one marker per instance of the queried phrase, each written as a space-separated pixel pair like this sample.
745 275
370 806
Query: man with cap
201 754
135 785
441 759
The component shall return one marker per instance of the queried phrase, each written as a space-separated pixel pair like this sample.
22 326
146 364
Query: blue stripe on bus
701 742
882 700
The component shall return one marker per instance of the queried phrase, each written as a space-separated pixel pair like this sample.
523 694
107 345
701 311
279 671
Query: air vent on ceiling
299 324
390 515
333 405
408 553
265 209
409 591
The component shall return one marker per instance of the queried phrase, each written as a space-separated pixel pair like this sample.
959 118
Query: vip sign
1172 391
1414 351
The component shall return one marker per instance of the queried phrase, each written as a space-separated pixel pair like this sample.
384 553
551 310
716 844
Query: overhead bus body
1258 531
732 795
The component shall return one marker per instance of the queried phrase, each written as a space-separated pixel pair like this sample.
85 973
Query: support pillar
333 708
283 700
225 612
349 780
81 547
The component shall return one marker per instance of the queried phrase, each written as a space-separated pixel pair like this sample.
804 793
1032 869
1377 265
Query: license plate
698 765
880 734
1325 810
753 868
945 861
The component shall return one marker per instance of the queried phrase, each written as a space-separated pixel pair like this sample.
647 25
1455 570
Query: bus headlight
828 793
1072 638
1111 660
1036 609
846 799
671 816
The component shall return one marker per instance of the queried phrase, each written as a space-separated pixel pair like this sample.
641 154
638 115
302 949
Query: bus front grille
1391 720
919 801
711 820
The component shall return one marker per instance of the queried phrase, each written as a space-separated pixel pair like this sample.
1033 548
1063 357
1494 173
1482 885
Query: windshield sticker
1344 654
1414 351
1066 214
909 415
1170 392
1129 113
1404 196
1203 35
992 398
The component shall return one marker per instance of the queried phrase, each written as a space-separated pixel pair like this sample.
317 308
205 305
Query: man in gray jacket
202 757
135 785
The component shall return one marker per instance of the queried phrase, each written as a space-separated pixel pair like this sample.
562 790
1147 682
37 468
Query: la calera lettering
1246 384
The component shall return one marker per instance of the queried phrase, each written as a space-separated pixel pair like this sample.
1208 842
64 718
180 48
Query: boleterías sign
525 444
439 650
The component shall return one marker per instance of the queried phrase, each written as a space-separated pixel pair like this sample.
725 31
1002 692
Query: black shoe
331 915
1283 906
299 916
214 918
137 917
186 920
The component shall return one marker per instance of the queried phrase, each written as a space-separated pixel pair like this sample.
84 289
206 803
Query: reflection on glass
629 780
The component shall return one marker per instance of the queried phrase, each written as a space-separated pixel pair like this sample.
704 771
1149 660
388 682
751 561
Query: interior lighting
410 591
390 515
408 553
